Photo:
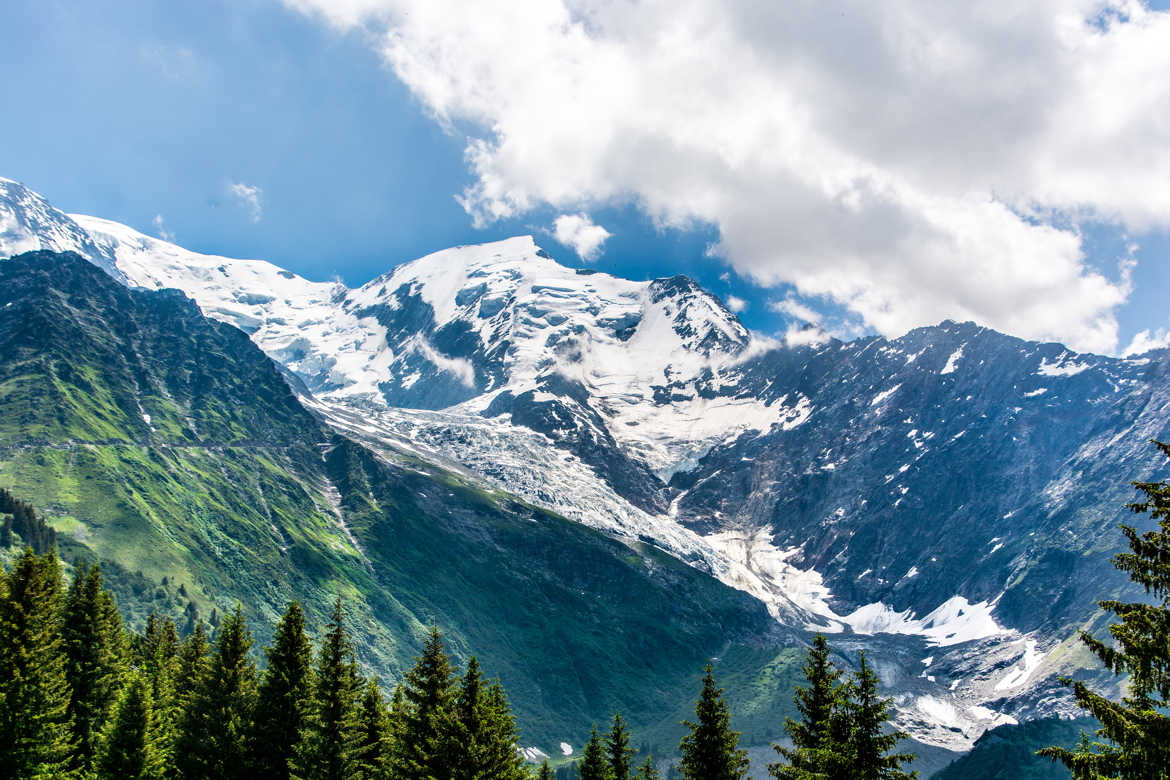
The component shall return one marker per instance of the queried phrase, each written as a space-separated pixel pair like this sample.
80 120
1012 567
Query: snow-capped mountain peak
471 328
518 315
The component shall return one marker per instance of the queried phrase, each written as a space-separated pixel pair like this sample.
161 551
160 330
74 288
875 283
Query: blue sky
135 110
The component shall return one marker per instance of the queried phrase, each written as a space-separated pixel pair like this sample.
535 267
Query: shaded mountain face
168 446
952 461
947 500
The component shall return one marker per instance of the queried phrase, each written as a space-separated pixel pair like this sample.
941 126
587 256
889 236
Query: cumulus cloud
160 228
1144 341
579 232
908 160
249 197
736 304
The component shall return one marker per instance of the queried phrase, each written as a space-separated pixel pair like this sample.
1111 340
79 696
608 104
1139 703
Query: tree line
82 696
18 518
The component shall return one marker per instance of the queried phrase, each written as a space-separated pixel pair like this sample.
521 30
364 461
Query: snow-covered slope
469 323
28 222
949 495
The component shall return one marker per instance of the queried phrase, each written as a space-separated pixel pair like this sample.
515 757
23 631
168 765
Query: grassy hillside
170 448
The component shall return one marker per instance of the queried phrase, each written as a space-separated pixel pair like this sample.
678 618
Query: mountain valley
616 472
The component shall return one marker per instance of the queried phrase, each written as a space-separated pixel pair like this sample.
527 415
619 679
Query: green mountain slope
1009 752
169 447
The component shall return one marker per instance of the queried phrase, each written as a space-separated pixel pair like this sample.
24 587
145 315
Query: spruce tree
35 731
819 738
192 662
469 713
499 754
710 751
618 750
159 642
284 698
1134 739
372 746
869 741
326 751
125 750
429 738
545 772
94 647
648 771
397 760
159 654
213 738
485 741
593 765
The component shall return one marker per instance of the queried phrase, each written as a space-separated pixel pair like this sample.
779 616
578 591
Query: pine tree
190 618
819 739
429 738
372 746
869 742
1134 738
593 765
545 772
499 754
192 662
470 719
486 733
284 698
158 653
35 732
647 771
326 751
397 758
212 742
159 644
125 750
618 750
710 751
94 647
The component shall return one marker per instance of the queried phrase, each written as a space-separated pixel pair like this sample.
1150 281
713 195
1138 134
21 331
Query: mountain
1009 752
168 446
947 500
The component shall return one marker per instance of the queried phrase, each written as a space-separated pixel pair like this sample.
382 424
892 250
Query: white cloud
249 197
1144 341
795 309
579 232
160 228
909 160
736 304
804 335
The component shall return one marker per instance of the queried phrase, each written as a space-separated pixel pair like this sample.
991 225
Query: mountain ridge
950 495
240 493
